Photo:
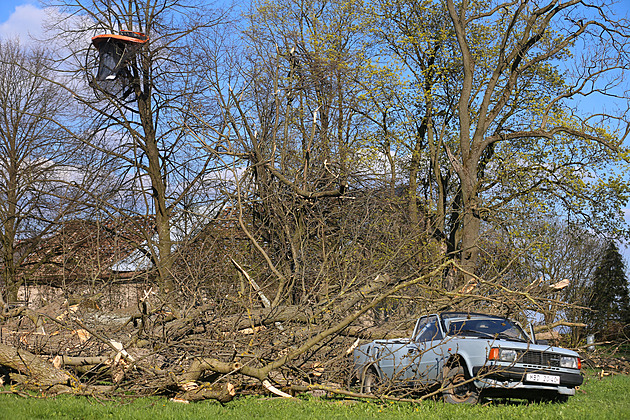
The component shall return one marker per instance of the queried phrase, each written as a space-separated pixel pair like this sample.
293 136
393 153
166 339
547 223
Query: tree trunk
41 374
220 392
471 223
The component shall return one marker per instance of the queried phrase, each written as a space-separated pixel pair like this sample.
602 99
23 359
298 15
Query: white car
466 356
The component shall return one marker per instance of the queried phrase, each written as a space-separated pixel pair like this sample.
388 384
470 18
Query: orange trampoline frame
125 36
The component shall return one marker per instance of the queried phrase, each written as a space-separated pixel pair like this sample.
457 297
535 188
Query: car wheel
371 382
455 388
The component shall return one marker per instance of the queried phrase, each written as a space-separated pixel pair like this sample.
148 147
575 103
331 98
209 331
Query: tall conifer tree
609 296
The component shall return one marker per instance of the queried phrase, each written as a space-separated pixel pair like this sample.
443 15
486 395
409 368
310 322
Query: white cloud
25 23
57 31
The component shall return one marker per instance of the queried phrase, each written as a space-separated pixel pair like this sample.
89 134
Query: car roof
469 315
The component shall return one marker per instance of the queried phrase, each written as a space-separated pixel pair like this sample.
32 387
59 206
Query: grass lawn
607 398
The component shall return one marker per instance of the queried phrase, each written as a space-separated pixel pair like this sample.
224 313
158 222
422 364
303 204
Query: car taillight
579 363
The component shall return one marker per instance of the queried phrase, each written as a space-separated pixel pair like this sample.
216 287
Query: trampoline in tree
114 54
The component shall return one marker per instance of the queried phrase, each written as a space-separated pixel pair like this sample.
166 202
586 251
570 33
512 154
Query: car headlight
503 355
506 355
570 362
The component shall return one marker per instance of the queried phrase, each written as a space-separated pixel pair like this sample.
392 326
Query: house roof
185 226
86 248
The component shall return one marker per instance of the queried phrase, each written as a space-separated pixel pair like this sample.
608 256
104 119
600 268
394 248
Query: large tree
488 125
38 164
142 118
609 294
514 98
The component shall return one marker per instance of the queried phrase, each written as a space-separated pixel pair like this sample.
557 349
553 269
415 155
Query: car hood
517 345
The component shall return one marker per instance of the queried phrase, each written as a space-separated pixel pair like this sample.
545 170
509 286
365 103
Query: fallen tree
206 355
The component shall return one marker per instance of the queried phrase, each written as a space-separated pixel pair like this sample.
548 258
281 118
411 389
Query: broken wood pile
607 365
205 351
210 348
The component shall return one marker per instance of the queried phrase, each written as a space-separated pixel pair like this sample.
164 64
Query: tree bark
220 392
40 373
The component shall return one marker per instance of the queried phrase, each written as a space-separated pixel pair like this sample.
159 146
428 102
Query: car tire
455 388
371 382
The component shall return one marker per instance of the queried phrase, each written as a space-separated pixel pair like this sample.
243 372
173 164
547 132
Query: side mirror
532 335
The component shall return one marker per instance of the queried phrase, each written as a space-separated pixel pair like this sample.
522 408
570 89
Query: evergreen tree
609 295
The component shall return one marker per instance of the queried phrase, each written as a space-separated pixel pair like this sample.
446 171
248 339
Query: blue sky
20 18
7 7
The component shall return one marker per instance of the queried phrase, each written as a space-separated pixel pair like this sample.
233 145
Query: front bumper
513 379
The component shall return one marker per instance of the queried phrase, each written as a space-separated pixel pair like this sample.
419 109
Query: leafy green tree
513 96
490 133
609 294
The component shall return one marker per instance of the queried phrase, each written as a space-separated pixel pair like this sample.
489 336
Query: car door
393 361
403 362
426 352
393 358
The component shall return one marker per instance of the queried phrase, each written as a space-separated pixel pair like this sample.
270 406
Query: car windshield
495 328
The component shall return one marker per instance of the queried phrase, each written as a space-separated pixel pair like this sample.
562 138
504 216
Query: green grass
607 398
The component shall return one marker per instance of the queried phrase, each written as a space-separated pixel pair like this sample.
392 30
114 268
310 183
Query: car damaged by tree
467 356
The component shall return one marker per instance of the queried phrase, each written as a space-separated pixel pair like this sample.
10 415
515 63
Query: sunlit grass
606 398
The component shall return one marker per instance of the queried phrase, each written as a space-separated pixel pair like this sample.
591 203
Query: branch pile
213 350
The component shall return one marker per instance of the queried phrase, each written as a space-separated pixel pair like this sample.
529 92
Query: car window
491 328
422 322
430 331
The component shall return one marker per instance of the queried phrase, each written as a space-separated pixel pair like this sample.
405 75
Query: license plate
543 379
